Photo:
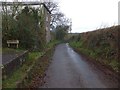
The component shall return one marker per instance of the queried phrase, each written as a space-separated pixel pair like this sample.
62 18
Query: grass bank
34 67
20 73
101 45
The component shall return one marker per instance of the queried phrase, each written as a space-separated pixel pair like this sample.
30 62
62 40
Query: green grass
35 55
16 77
20 73
5 50
52 43
97 54
0 50
115 65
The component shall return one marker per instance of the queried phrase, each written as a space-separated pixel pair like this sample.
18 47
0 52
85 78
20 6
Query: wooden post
8 45
17 45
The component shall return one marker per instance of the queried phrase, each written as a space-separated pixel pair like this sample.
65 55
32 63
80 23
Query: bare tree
57 17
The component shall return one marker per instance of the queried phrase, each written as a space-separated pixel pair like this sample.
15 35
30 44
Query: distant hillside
102 44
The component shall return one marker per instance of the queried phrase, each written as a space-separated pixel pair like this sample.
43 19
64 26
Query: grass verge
35 76
98 54
21 72
32 70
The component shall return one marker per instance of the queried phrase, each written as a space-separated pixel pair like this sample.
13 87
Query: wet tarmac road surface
69 70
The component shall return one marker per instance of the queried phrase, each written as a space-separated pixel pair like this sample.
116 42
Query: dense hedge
102 44
24 26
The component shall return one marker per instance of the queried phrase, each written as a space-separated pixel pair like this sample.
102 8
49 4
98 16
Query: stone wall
10 67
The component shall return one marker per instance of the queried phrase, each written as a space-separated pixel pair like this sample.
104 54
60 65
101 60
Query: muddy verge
35 76
106 69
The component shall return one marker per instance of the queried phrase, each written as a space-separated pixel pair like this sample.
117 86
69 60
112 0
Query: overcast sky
88 15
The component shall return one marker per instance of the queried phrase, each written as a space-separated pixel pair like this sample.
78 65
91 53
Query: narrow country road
69 70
